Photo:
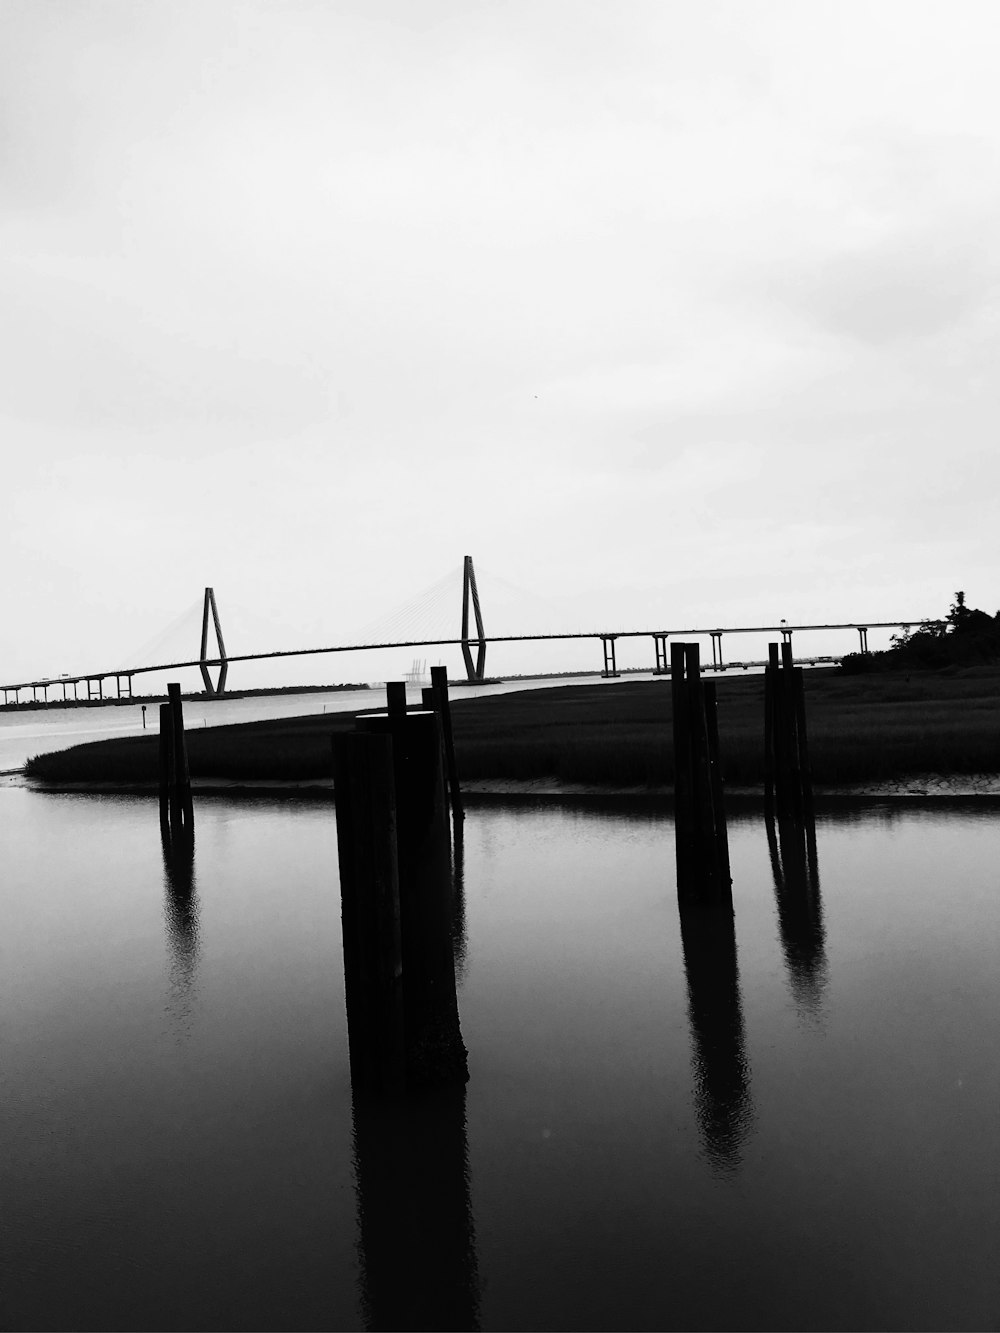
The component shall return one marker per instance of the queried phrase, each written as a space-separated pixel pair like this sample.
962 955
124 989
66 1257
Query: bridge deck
128 672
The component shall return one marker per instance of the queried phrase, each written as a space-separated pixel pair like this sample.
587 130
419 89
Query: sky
669 314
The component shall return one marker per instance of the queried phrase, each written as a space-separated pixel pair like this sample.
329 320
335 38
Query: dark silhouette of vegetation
965 637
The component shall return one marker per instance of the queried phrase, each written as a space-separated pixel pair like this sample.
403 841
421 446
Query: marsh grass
861 728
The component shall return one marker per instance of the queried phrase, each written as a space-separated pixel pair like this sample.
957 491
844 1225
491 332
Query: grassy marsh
861 728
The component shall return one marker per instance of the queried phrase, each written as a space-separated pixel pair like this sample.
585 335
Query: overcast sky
668 313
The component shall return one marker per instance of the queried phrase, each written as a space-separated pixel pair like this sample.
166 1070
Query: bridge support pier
220 686
717 662
662 667
476 672
610 669
786 638
863 637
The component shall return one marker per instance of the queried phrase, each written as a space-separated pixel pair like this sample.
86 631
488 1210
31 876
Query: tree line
964 637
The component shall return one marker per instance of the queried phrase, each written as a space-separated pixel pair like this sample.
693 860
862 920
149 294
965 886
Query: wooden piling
439 684
802 746
181 807
167 775
434 1052
435 700
787 779
683 794
395 695
770 728
364 781
703 871
700 773
715 774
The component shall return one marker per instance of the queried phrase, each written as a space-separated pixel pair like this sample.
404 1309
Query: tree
964 636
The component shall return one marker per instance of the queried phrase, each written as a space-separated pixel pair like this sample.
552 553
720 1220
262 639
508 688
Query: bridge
95 681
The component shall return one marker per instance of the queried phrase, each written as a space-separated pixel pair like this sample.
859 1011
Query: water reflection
459 932
417 1250
795 870
181 914
417 1237
723 1102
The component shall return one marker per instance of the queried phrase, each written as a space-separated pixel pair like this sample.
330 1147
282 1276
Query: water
658 1132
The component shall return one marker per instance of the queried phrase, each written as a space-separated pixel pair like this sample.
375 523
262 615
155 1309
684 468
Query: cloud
895 292
342 292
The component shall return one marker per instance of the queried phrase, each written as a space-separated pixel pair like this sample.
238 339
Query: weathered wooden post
168 778
411 849
181 807
715 779
787 784
803 770
395 697
442 704
683 792
434 1048
398 900
774 736
369 893
700 822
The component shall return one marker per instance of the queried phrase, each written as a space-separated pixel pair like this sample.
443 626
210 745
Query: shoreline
933 785
887 738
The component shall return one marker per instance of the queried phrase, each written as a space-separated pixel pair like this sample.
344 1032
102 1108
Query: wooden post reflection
415 1222
418 1244
181 915
795 870
722 1077
459 934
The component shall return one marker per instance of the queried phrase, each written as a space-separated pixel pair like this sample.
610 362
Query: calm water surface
791 1126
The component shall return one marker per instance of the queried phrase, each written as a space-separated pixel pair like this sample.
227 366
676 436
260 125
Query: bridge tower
220 686
469 585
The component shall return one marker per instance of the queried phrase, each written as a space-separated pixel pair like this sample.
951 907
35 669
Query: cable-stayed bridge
405 630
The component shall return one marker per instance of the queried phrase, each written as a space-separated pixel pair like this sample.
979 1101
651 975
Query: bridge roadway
607 638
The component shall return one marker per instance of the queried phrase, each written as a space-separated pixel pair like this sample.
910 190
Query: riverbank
863 730
933 786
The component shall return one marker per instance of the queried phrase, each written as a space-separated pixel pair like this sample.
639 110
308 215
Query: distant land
162 698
